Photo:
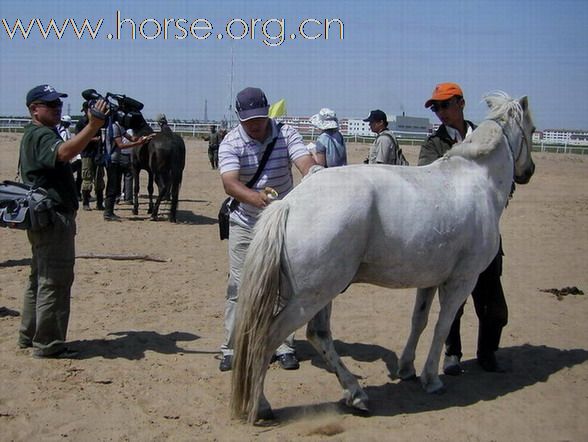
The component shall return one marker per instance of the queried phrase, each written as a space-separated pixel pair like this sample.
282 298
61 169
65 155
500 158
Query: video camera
124 110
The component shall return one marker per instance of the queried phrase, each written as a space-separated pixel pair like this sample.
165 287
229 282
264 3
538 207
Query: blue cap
251 103
376 115
44 93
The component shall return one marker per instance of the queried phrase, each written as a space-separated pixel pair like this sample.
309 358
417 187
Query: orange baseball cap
444 91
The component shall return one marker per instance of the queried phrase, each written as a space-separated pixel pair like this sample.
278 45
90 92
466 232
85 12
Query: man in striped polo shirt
239 156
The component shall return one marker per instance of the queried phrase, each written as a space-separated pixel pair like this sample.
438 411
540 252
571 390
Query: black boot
109 211
86 200
99 200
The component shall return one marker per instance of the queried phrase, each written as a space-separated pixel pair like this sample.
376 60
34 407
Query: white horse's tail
258 300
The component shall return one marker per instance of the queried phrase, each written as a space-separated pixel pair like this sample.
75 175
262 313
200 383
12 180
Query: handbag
25 207
230 204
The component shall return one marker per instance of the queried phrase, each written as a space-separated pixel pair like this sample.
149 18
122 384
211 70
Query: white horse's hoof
265 415
435 386
360 405
359 402
406 374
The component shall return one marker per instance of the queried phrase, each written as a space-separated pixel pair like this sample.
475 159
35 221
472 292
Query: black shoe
111 217
86 207
489 363
288 361
226 363
451 365
64 353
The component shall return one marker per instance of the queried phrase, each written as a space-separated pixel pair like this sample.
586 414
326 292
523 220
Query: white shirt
455 135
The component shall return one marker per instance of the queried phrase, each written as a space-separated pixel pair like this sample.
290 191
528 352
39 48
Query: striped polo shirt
240 152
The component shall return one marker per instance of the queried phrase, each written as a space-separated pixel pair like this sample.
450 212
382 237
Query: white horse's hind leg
452 295
318 332
420 316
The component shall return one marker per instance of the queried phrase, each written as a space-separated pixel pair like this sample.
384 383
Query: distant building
412 126
565 137
359 127
401 125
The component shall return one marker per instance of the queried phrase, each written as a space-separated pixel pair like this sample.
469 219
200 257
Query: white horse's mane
502 106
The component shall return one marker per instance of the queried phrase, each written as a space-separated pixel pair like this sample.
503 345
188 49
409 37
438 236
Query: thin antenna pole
231 88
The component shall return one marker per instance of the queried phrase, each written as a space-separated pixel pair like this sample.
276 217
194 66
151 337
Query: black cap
251 103
376 115
44 93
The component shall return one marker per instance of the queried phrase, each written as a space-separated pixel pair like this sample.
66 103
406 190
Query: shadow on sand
15 262
526 365
132 345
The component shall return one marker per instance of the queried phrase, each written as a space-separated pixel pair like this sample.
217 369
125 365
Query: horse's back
168 151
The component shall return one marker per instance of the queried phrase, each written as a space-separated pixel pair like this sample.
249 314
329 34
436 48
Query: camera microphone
90 94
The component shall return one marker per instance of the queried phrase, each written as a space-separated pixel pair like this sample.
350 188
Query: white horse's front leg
318 333
452 295
420 315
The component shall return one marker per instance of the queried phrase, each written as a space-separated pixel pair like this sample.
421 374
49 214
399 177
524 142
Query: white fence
190 129
201 129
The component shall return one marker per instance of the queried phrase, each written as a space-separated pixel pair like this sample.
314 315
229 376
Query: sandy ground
148 333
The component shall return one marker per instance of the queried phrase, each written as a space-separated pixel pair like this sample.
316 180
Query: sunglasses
52 104
436 107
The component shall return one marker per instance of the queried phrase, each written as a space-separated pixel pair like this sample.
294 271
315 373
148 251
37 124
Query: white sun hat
325 119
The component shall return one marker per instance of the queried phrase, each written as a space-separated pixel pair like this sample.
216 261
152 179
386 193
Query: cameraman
44 161
92 164
114 168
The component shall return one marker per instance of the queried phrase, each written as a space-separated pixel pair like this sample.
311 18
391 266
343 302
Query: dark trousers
46 304
213 157
490 308
76 167
113 174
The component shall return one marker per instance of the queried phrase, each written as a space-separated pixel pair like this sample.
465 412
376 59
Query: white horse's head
515 118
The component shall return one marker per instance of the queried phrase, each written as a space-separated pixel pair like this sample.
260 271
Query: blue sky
391 56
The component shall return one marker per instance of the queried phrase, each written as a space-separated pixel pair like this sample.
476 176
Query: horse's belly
401 276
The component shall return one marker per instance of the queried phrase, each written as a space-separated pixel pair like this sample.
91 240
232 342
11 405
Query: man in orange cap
447 103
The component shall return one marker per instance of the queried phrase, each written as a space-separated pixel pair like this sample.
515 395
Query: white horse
428 227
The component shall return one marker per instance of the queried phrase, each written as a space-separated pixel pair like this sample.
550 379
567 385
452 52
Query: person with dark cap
92 163
240 154
447 102
385 148
44 161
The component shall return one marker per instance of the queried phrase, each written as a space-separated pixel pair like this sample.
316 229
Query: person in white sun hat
329 149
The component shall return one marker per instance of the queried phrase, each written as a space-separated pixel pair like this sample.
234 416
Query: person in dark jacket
44 162
447 102
92 164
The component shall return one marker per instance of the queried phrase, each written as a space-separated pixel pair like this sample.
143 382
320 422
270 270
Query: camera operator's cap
251 103
444 91
376 115
66 119
44 93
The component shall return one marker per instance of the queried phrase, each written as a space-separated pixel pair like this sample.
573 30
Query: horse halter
510 146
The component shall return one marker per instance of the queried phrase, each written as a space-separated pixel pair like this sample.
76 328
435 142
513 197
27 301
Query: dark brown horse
167 159
164 158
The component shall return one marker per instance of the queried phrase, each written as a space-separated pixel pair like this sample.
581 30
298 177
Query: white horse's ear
524 103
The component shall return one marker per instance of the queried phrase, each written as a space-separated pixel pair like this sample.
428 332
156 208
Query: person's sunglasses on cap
52 104
438 105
